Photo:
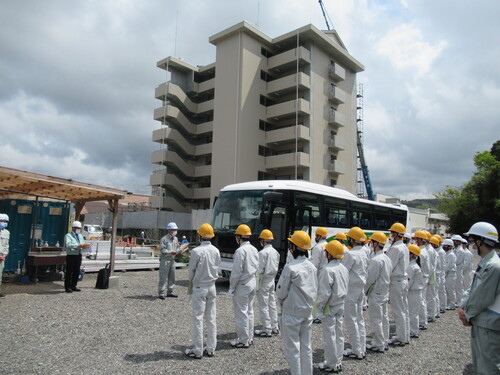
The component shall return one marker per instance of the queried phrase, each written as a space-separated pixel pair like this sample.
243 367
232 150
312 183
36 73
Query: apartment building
267 108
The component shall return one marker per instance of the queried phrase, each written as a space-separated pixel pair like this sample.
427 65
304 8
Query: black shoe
75 289
172 295
207 354
161 296
68 290
2 295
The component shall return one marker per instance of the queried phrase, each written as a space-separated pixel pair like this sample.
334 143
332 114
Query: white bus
284 206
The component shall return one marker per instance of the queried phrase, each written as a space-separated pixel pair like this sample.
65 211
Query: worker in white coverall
296 291
420 238
398 288
440 275
450 274
377 290
467 280
407 239
431 291
318 257
480 305
269 260
4 246
415 287
435 245
460 254
333 281
169 248
242 285
356 263
203 271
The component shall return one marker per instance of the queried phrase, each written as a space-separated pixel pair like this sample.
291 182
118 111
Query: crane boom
325 14
364 168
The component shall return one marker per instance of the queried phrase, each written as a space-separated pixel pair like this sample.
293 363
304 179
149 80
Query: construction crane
325 15
359 142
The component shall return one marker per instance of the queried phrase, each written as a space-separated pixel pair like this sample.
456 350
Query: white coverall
431 287
296 291
440 276
356 263
425 267
398 288
333 281
377 291
450 274
481 304
203 272
269 260
459 280
467 269
415 287
168 244
4 250
318 257
242 282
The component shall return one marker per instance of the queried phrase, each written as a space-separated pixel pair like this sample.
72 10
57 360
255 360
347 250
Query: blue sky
77 81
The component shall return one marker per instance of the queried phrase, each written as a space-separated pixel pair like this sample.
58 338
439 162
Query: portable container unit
50 226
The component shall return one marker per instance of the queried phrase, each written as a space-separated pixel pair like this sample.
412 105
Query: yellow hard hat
435 240
243 230
398 227
414 249
266 234
335 249
420 234
379 237
439 237
340 236
429 235
206 231
301 239
357 234
321 232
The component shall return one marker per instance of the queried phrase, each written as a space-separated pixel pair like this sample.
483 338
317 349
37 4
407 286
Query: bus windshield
233 208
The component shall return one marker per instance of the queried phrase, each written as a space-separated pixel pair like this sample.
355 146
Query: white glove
231 292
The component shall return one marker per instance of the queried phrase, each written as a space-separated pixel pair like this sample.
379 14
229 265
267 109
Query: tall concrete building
267 108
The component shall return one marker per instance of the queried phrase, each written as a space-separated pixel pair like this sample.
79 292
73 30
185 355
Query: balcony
336 72
336 119
174 115
288 84
204 86
336 95
172 159
287 161
337 143
288 60
337 167
288 134
168 203
288 109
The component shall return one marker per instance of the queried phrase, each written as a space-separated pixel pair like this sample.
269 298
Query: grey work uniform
168 244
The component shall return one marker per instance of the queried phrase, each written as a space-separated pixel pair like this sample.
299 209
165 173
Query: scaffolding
363 184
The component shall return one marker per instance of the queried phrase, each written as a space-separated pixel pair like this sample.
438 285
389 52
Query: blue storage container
52 219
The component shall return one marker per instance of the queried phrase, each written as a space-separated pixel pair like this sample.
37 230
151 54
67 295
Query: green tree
479 198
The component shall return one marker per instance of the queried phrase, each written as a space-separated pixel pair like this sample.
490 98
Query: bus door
303 219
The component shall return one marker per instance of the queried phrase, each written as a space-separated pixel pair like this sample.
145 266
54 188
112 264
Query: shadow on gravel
178 354
143 297
468 369
276 372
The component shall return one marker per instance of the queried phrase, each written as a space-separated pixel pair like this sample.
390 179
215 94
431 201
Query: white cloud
405 47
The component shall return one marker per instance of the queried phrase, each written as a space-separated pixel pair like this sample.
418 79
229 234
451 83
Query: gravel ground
127 330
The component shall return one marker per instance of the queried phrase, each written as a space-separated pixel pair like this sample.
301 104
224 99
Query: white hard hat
172 225
483 229
407 235
456 237
447 242
464 240
76 224
4 217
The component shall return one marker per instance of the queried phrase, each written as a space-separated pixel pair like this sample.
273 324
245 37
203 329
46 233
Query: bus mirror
272 196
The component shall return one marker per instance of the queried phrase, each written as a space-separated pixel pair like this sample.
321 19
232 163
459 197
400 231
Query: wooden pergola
15 181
